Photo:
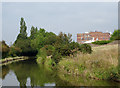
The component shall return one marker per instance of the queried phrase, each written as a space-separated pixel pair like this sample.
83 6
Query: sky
67 17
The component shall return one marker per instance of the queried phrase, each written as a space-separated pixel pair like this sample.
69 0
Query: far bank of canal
10 60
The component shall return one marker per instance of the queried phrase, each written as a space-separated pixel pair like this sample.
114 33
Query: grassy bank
101 64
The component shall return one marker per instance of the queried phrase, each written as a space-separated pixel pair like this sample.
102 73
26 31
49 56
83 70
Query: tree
56 57
23 28
14 51
33 32
50 38
115 35
22 41
64 38
4 50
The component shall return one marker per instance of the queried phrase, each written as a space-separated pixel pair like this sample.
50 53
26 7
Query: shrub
49 49
101 42
50 63
63 49
14 51
5 49
42 54
85 48
74 45
56 57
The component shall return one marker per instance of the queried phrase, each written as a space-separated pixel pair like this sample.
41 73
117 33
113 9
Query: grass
101 64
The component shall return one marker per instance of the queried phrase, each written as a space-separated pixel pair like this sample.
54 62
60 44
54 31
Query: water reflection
5 71
29 73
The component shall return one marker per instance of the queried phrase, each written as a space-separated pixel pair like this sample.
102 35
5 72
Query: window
96 38
89 38
85 38
81 38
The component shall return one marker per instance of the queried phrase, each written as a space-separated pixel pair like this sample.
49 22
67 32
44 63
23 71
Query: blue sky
69 17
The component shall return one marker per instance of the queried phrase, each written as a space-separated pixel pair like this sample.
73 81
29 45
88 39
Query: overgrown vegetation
101 42
58 47
4 49
102 64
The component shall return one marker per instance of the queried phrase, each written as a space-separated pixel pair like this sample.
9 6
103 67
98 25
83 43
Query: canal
29 73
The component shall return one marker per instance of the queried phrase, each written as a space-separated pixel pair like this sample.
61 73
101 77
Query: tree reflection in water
38 74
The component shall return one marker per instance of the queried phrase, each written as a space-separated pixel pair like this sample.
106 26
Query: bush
85 48
49 49
74 45
63 49
4 49
56 57
14 51
101 42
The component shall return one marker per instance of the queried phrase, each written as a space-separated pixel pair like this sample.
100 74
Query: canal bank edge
12 59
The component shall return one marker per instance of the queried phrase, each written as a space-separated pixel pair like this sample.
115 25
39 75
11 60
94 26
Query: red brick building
92 36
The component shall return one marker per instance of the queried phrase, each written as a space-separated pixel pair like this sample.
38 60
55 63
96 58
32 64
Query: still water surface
29 73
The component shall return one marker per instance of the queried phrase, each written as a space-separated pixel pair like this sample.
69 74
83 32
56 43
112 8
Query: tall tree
23 28
22 41
33 32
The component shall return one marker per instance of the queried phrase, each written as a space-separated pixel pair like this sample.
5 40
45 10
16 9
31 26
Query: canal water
29 73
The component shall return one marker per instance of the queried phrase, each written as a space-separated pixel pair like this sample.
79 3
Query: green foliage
56 57
49 49
43 38
115 35
25 46
42 52
23 42
85 48
49 63
4 50
45 51
101 42
42 55
14 51
45 44
64 50
74 45
57 46
50 38
64 38
33 32
23 28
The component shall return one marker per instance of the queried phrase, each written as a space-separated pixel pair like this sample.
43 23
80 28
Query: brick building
92 36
